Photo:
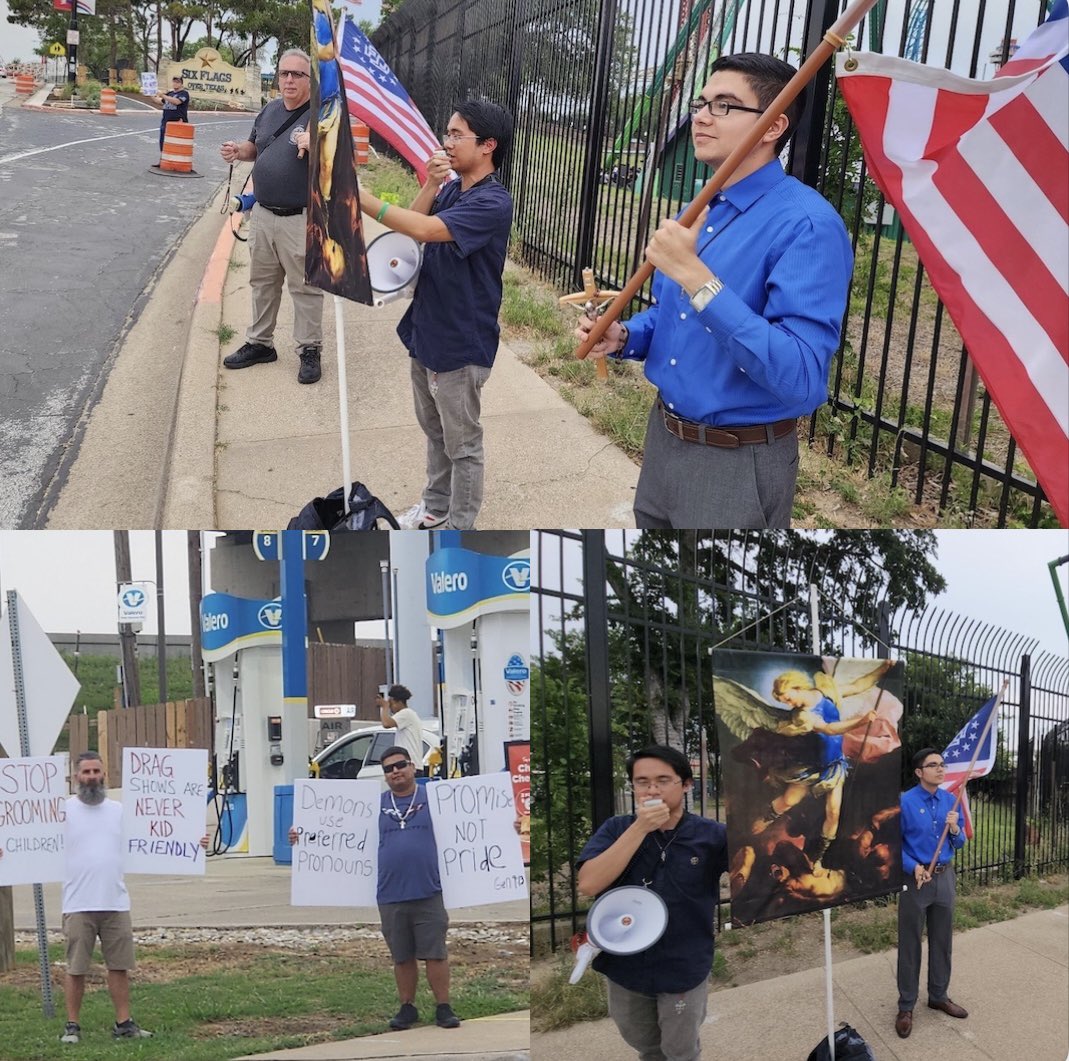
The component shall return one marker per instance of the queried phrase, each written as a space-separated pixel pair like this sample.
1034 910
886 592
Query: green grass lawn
204 1004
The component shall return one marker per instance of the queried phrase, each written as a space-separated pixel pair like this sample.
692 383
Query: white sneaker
418 518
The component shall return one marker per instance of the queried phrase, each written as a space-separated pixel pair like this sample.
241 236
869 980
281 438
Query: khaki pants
276 248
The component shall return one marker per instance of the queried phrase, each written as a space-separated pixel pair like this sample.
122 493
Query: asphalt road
85 228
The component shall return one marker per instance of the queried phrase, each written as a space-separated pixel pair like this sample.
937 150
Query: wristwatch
705 294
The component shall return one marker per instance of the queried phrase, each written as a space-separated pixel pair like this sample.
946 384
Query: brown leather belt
725 437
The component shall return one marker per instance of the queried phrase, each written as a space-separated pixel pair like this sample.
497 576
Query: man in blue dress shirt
658 997
747 309
927 898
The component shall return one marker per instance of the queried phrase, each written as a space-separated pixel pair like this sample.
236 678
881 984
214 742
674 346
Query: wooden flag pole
968 773
834 38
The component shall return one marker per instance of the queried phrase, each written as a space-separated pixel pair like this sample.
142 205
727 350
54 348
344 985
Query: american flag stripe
376 97
1042 44
978 172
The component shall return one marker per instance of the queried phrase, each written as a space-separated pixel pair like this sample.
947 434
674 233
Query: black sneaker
250 354
129 1030
309 371
405 1017
72 1032
444 1016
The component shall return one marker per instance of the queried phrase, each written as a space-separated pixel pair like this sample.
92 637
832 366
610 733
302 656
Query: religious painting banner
811 764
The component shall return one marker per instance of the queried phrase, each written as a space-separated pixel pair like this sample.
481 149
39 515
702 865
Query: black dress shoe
309 371
950 1008
250 354
904 1023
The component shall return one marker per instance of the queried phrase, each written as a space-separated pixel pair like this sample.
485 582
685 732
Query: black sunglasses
396 766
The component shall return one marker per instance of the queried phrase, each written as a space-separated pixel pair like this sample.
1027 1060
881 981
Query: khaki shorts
415 929
116 936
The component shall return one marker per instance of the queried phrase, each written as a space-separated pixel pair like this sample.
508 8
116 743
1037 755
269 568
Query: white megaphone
393 261
622 921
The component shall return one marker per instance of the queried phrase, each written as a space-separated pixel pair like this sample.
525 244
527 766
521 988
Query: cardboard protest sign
479 856
335 860
33 796
164 802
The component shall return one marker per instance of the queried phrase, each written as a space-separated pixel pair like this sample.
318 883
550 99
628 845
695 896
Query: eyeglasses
396 766
292 73
934 766
719 108
660 782
452 138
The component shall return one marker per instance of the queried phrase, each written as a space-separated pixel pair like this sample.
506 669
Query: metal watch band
706 293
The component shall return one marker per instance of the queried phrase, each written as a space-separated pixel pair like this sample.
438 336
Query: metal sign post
47 1005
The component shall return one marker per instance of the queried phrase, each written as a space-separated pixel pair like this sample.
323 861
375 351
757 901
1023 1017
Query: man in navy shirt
409 893
926 898
451 329
175 106
658 997
746 313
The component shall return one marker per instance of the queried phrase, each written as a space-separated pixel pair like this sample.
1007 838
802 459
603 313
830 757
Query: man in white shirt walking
396 714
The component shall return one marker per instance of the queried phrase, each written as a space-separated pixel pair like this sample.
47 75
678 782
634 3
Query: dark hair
767 76
489 121
918 759
675 759
399 692
395 749
88 756
176 78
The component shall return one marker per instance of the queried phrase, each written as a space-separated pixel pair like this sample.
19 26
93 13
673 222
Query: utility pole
194 562
161 630
72 45
127 639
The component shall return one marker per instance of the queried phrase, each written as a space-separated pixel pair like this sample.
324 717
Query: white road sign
50 688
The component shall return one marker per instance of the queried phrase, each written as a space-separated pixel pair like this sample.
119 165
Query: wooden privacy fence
346 674
177 724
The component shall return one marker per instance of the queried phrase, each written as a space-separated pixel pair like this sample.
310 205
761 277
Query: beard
92 793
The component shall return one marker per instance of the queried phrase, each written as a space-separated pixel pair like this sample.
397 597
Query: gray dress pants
684 485
931 905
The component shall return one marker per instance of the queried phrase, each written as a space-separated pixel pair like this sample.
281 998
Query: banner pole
829 1000
343 406
833 40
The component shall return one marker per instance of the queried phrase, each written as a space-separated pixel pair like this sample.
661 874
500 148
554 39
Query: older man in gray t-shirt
279 144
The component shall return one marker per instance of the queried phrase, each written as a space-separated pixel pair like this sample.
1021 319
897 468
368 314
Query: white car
359 754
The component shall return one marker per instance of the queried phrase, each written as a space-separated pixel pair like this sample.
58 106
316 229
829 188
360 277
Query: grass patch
555 1003
253 1003
225 333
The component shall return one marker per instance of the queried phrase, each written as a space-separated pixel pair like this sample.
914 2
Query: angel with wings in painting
797 744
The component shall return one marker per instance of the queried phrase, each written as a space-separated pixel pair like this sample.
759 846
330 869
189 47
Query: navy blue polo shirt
452 321
688 880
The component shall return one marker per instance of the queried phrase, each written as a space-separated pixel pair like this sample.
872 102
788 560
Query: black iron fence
599 89
625 625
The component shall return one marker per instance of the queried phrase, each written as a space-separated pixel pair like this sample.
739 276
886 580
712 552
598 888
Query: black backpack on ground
327 513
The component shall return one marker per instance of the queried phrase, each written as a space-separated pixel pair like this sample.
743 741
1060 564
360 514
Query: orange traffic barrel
361 141
24 84
177 156
107 101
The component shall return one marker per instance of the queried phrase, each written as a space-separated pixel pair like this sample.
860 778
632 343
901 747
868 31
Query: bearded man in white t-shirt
96 904
396 714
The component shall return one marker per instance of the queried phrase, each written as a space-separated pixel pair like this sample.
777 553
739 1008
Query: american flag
378 99
959 752
979 173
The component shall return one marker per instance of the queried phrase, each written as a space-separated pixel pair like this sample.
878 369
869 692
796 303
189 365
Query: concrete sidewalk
249 448
1012 977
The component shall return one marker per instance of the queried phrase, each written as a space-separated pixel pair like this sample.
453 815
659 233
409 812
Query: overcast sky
68 578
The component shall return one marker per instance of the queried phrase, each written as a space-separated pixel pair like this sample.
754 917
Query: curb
190 495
